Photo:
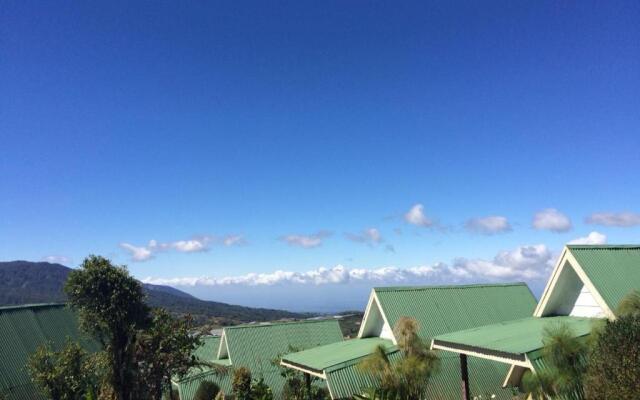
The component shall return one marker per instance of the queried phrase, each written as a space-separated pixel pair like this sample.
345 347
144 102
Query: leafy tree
111 308
408 377
164 350
565 357
241 384
64 374
207 390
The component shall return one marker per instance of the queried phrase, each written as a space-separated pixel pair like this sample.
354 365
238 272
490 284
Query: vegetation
142 349
565 358
241 384
614 368
408 377
206 391
67 374
297 386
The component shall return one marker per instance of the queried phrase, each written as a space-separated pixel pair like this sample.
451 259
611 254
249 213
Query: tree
408 377
614 365
207 390
163 350
241 384
64 374
111 308
566 359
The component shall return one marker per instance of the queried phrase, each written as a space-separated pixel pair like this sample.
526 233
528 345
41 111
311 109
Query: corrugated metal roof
444 309
517 337
348 380
257 346
336 355
614 270
22 330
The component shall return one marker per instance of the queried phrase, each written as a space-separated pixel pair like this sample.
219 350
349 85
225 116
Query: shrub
614 368
207 390
242 384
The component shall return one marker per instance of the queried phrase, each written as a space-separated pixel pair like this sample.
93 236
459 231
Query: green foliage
566 359
614 368
111 308
241 384
62 375
260 390
206 391
164 350
409 377
629 305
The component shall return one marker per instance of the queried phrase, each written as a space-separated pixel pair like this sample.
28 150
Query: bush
207 390
614 368
242 384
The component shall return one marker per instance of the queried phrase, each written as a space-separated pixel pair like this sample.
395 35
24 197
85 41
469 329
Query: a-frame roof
443 309
609 272
438 309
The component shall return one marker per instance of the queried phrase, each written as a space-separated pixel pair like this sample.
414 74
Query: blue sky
295 136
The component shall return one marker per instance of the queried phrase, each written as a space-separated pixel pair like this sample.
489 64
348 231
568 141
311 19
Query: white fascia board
323 375
384 318
479 355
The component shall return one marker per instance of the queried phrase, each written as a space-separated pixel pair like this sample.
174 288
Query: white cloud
306 241
623 219
234 240
592 238
525 262
369 236
488 225
193 245
552 220
416 216
137 253
57 259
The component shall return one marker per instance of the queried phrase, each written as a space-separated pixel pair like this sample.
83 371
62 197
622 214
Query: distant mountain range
25 282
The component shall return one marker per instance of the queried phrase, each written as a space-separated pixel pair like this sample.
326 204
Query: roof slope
258 346
614 270
337 355
444 309
512 339
22 330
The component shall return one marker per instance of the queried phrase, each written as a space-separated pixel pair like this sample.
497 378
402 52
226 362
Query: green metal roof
337 355
22 330
444 309
209 349
258 346
512 339
614 270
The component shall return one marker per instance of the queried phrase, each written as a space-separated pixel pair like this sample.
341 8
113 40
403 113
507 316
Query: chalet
438 310
257 347
587 285
22 330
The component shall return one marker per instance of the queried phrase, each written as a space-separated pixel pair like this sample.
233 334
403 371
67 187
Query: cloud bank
369 236
521 263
